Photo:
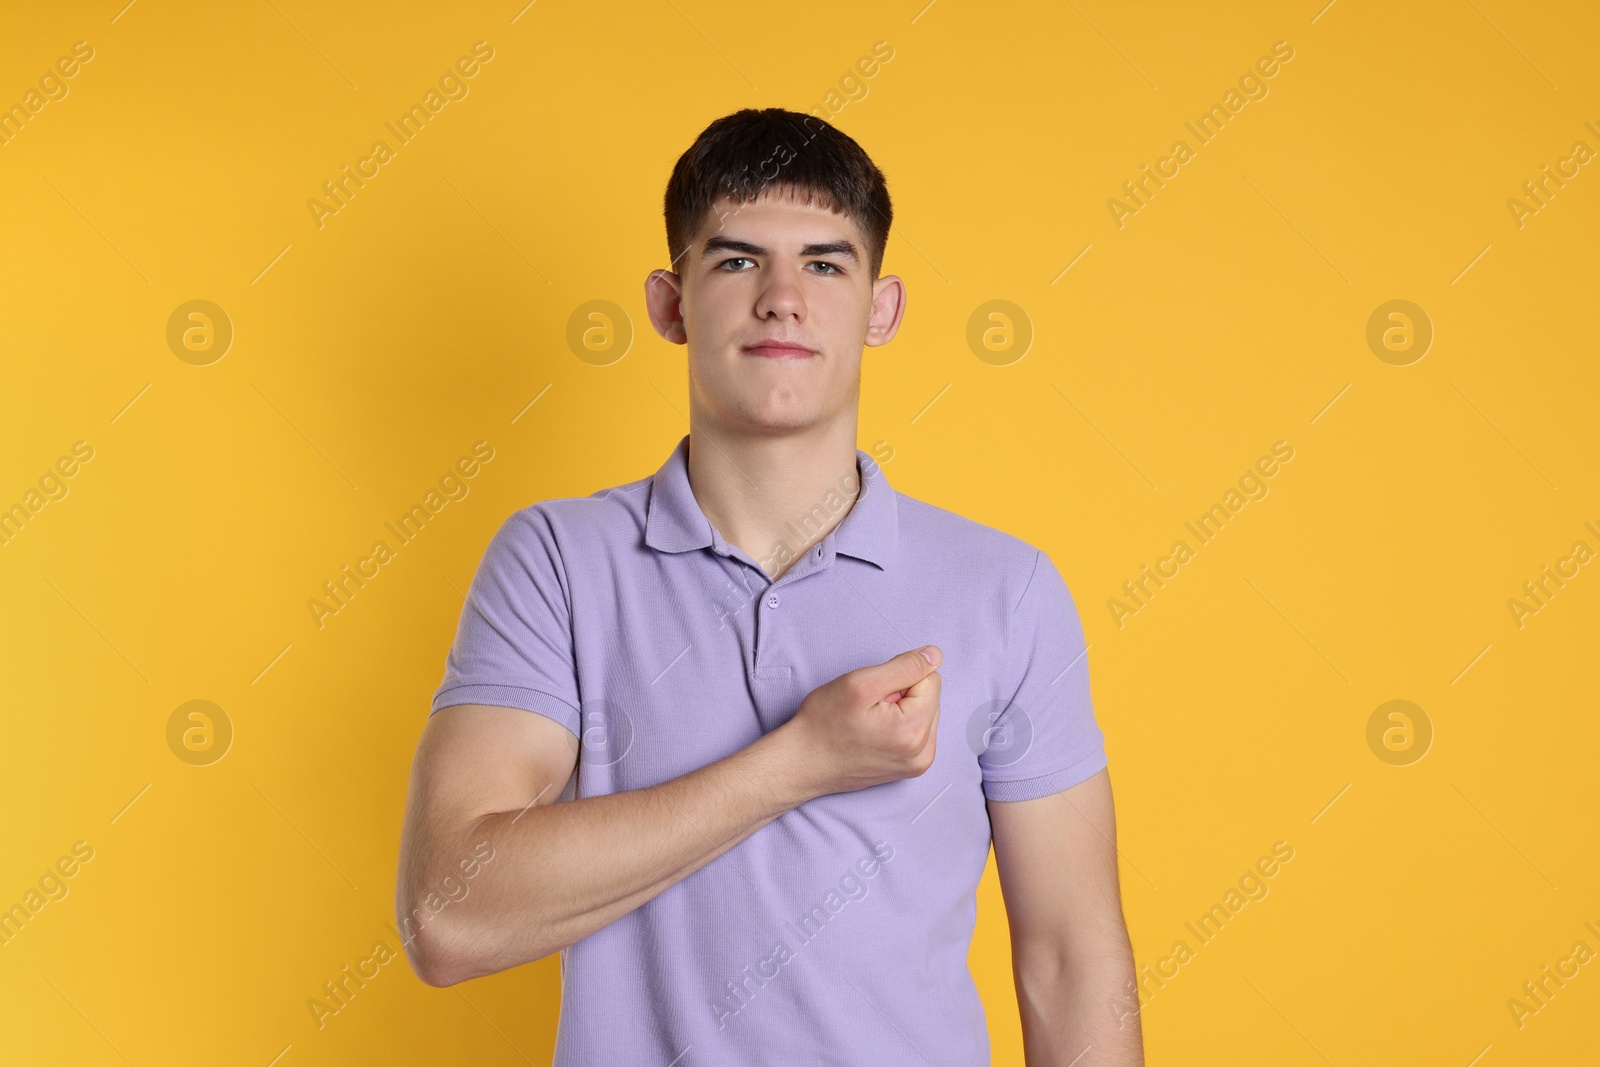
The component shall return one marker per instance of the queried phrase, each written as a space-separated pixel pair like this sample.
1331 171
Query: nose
781 298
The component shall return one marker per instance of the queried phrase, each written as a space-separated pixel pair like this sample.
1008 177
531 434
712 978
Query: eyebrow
733 244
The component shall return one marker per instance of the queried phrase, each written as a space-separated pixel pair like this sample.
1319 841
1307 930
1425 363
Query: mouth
778 350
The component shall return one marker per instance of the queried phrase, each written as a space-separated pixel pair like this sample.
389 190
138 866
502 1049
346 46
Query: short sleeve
1044 738
513 646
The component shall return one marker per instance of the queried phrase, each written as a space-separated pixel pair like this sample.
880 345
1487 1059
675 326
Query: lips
778 350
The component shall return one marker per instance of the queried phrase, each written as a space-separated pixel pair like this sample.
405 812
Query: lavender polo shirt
838 933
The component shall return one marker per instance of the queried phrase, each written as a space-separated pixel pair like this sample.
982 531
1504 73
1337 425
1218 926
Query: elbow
431 975
440 950
432 959
443 954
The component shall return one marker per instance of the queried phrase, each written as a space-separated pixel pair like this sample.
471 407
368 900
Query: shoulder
611 516
958 547
619 506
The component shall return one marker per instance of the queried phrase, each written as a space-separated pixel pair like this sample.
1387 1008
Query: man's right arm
560 871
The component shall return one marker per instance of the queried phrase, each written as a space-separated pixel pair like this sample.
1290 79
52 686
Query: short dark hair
752 151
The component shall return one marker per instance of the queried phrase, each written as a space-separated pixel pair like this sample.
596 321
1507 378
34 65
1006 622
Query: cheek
708 312
841 321
711 344
705 377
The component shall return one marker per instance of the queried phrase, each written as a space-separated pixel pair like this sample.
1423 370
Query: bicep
1057 860
475 760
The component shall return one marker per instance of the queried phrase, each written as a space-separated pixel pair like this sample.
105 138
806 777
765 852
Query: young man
779 709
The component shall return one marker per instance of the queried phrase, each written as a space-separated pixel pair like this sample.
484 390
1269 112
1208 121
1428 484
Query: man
779 709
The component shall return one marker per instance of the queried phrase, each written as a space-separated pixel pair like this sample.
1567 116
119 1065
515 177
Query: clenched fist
873 725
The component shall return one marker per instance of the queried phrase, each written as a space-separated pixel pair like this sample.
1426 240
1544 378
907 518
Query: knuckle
906 743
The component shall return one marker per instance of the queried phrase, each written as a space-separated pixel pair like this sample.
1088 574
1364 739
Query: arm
560 871
1070 954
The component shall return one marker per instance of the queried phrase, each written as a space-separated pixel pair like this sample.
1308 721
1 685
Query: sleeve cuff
1046 784
510 696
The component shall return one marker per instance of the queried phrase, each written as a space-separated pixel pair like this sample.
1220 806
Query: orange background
1165 356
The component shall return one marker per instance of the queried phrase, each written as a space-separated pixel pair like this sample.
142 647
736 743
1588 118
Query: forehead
781 215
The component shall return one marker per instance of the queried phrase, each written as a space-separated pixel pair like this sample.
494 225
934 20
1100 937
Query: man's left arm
1070 954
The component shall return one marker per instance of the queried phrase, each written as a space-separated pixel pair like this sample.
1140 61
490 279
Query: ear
888 307
663 298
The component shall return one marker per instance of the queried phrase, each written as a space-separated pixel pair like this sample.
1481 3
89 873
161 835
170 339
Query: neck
775 496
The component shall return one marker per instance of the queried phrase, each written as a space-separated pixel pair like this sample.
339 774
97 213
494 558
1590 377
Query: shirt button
819 551
772 601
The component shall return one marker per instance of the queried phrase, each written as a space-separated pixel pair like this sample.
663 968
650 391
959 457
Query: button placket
774 684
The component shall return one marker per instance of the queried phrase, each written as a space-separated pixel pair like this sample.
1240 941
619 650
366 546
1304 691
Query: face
771 273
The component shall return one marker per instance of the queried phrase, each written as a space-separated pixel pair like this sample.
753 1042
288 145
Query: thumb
905 670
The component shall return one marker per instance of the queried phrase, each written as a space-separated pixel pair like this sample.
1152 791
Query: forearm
1079 1008
561 871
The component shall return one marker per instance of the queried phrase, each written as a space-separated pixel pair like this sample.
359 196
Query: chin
781 425
776 419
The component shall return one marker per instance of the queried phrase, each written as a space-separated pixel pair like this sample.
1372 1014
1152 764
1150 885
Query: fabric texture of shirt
838 933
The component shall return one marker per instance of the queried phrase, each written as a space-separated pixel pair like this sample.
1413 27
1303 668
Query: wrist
786 760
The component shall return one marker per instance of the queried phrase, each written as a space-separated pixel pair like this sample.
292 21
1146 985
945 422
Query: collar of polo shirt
675 523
